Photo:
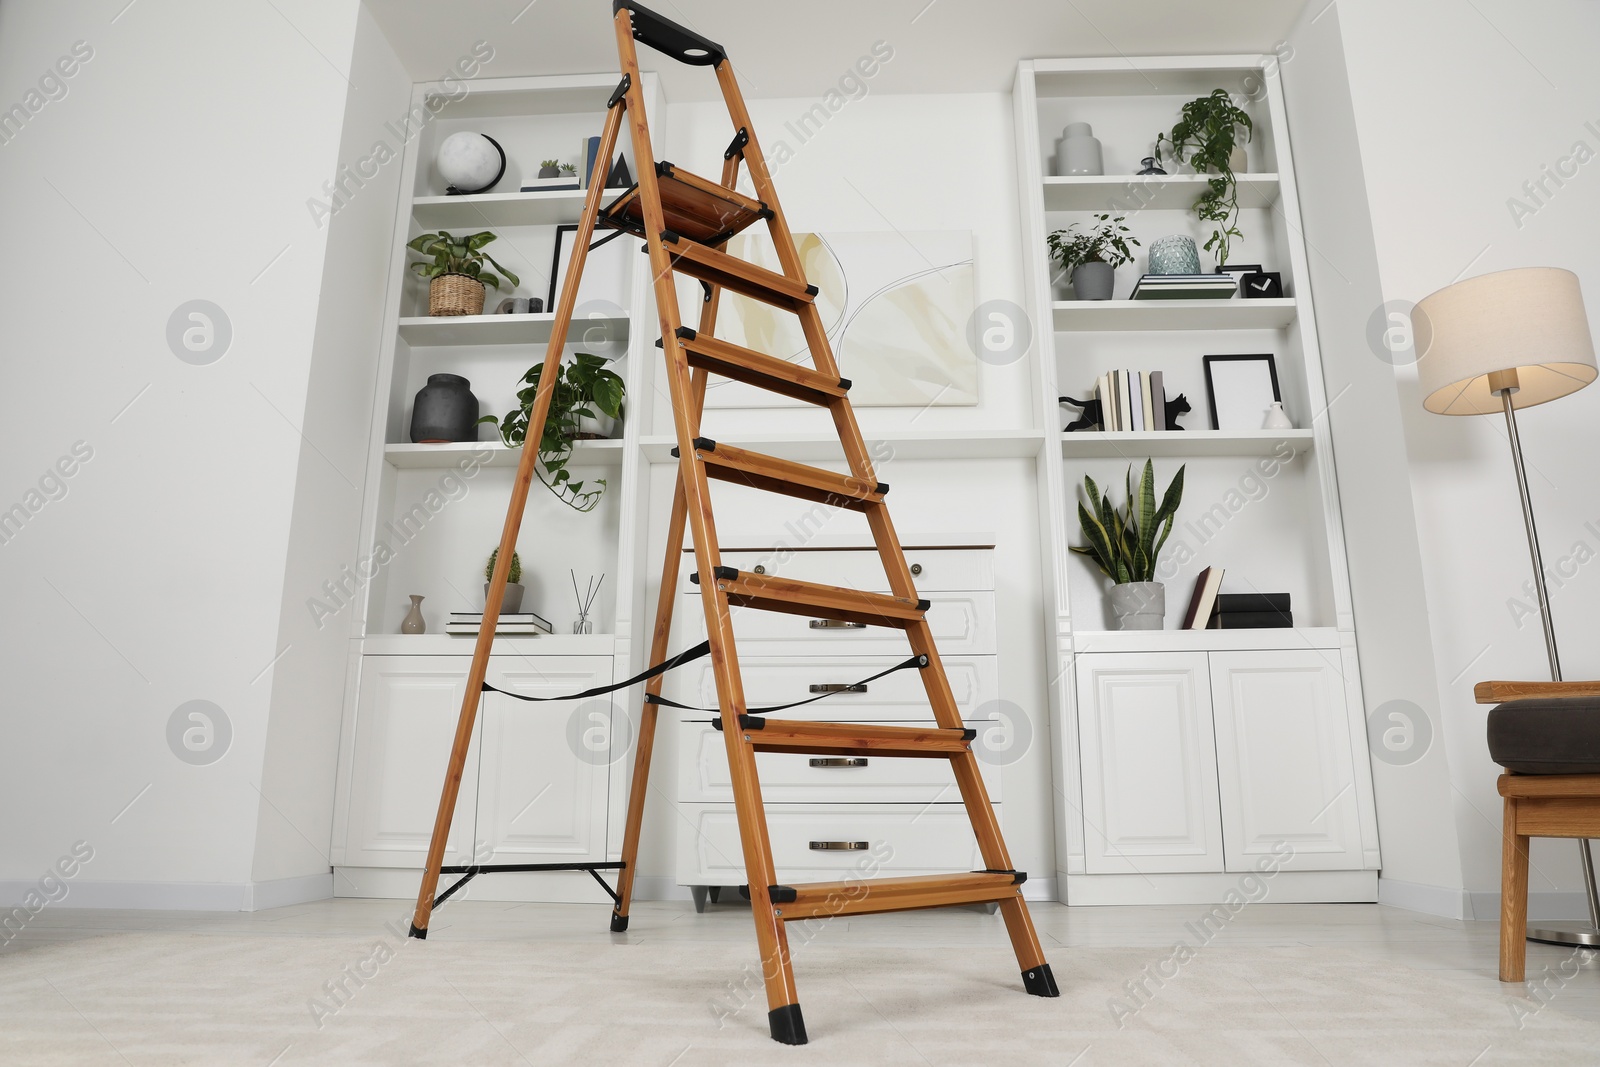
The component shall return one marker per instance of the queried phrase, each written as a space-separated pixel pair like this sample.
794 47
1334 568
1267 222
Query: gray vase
1139 605
1093 281
414 623
511 603
444 410
1079 151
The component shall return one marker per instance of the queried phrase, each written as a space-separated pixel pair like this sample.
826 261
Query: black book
1250 620
1232 602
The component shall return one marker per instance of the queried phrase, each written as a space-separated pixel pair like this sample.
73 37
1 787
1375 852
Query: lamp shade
1529 320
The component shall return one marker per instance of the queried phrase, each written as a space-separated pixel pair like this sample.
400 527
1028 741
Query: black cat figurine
1089 417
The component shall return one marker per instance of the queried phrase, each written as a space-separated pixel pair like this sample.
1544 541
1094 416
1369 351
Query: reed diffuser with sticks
584 624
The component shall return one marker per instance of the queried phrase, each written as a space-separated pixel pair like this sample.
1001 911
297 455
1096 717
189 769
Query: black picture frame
605 270
1232 402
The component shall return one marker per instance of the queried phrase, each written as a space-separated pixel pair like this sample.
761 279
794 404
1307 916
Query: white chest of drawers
825 815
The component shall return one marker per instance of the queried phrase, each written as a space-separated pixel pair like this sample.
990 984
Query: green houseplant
1091 256
584 391
1127 543
1207 133
513 598
454 267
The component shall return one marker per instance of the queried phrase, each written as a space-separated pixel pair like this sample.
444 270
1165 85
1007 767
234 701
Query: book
1135 400
1147 400
1232 602
1158 398
1204 598
455 630
1102 389
1184 287
1250 620
547 185
1115 379
591 152
507 618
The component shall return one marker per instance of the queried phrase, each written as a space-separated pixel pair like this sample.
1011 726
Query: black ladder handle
669 38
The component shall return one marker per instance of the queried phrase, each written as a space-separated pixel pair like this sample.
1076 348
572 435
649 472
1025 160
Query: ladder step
790 596
853 739
698 209
773 475
737 275
866 897
762 371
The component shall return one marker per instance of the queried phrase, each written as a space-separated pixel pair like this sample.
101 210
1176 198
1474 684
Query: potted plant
585 390
549 168
569 170
1090 257
1125 544
513 598
1206 133
455 271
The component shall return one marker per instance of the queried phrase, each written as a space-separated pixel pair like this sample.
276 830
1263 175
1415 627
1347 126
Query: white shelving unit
1180 756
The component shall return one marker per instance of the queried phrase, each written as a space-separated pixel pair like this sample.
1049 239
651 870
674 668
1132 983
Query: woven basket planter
455 294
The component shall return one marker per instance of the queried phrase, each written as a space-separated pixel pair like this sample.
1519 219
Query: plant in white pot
1090 257
512 602
1126 544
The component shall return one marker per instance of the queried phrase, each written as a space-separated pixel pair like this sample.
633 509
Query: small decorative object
444 410
520 305
455 271
1277 418
584 388
1091 257
470 162
1088 419
1174 408
1206 132
1174 254
1262 285
1239 160
1240 390
1126 544
1238 270
414 622
1151 166
511 603
1079 151
550 168
568 170
583 624
620 177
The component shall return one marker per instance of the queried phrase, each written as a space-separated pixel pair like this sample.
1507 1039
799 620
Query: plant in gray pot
1126 544
512 603
1090 257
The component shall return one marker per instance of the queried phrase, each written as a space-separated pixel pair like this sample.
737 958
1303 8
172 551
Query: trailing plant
516 567
449 254
1206 132
1104 242
584 389
1126 543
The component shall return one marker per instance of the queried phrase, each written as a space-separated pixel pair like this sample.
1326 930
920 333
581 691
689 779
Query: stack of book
1211 609
510 624
1132 400
1185 287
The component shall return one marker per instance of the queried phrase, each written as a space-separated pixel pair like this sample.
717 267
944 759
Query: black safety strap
688 655
914 661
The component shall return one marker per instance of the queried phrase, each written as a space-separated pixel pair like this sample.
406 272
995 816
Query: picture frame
1240 389
605 274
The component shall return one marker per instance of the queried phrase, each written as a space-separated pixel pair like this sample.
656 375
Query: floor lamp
1497 343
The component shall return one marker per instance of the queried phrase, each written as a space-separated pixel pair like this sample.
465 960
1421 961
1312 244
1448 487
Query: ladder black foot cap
619 923
418 932
1040 982
787 1025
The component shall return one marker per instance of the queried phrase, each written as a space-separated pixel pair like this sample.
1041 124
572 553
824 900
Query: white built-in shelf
455 330
542 208
1137 444
1118 193
1235 314
408 456
557 644
900 444
1323 637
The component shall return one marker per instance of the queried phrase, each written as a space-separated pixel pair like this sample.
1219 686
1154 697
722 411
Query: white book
1135 404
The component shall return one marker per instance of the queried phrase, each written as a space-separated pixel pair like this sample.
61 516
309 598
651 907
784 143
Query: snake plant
1126 543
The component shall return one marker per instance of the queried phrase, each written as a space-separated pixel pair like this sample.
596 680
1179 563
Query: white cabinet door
543 777
405 723
1149 764
1284 759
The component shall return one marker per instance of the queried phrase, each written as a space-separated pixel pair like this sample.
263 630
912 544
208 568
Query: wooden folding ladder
686 222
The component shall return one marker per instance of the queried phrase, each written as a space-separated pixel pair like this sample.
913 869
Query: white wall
1456 108
175 167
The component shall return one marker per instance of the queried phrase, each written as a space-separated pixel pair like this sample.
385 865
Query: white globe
468 162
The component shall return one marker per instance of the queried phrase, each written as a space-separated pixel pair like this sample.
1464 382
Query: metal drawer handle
836 624
838 687
839 846
838 761
916 568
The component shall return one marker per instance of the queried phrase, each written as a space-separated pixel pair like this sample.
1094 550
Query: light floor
547 984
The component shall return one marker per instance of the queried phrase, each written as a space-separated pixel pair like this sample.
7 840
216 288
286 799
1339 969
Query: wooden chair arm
1507 692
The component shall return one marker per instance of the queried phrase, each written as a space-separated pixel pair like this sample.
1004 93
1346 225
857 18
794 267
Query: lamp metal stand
1574 933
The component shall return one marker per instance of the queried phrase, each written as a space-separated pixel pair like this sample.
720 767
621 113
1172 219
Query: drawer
898 698
902 839
790 777
962 622
942 569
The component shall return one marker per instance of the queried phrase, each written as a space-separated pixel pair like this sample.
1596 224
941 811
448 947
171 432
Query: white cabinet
1150 798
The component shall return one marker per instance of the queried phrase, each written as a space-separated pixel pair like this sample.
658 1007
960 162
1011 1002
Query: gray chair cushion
1549 736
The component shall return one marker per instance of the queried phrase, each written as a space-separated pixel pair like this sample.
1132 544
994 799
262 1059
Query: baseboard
179 896
1286 887
1039 889
1544 907
282 892
1437 900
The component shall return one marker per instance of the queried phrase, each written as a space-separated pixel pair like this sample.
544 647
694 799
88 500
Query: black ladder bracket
1017 877
782 894
705 444
620 91
736 146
